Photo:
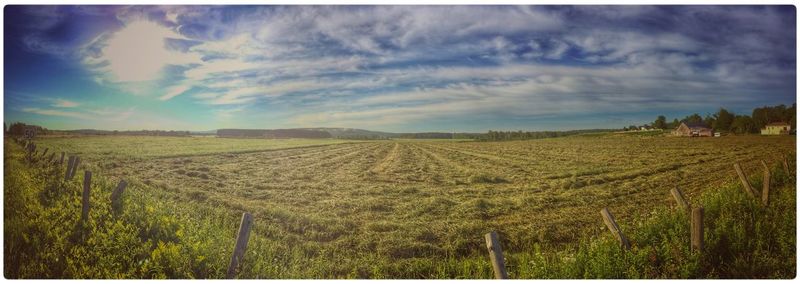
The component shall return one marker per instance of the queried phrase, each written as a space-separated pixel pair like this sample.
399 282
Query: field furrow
408 199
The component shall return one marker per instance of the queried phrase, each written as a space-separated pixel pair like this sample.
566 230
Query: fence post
697 229
87 184
61 162
116 196
786 165
31 149
614 228
747 187
75 167
45 152
117 193
241 244
680 199
765 187
70 162
496 255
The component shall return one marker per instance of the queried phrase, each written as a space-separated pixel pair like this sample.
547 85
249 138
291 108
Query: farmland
397 208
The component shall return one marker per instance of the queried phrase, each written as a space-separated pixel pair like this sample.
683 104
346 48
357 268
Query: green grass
164 232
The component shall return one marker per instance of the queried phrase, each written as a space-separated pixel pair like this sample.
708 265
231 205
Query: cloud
401 65
138 52
64 103
53 112
174 91
101 114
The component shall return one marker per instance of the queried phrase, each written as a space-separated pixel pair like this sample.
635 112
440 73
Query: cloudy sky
391 68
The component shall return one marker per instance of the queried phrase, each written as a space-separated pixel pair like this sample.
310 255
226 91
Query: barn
693 129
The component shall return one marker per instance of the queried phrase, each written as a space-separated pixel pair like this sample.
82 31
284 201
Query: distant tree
760 116
765 115
16 128
661 122
743 124
675 123
709 120
723 120
694 118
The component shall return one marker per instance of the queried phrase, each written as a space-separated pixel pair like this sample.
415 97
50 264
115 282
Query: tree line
727 121
18 129
526 135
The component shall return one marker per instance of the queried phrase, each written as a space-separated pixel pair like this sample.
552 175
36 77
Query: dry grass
376 203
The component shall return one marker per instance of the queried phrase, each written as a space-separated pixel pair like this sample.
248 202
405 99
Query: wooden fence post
496 255
70 162
116 197
117 193
31 151
241 244
75 167
765 187
747 187
87 185
786 166
680 199
697 229
614 228
61 161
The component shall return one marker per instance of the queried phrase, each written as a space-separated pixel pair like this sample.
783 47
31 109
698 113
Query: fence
73 163
492 238
696 238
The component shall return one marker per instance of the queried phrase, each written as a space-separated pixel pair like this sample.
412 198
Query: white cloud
64 103
105 114
175 91
137 52
395 64
219 67
61 113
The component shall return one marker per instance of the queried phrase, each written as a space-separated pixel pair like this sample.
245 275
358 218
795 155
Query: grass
405 209
91 147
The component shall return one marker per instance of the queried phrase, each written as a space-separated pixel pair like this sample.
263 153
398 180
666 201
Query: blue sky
391 68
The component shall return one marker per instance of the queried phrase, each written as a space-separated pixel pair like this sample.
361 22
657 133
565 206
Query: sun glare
137 52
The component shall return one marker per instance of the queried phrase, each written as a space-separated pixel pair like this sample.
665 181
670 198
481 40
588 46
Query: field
385 209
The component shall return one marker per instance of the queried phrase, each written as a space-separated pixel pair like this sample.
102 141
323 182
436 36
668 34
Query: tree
723 120
674 124
743 124
765 115
661 122
694 118
709 120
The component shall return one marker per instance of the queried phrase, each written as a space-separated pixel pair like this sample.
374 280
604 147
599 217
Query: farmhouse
693 129
776 128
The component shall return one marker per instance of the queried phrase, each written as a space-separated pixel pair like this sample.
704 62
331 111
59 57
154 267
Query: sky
391 68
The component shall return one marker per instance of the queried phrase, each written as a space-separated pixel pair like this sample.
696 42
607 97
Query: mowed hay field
404 208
